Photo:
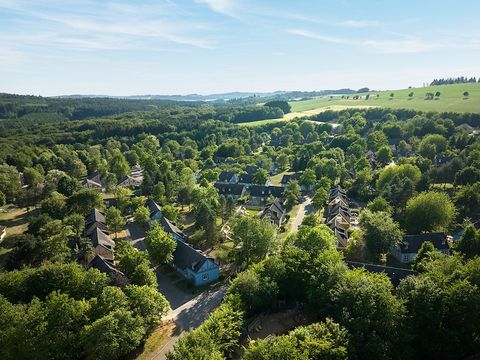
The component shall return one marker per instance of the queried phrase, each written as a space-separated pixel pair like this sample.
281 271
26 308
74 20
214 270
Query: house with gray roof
275 212
406 251
193 265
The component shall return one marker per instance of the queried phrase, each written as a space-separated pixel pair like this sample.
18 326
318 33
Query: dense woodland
424 177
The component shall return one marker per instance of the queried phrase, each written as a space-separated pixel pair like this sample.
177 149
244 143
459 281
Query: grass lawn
221 251
15 219
276 179
155 341
451 99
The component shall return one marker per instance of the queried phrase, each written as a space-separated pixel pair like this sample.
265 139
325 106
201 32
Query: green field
451 99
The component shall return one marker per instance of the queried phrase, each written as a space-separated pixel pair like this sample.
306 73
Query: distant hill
221 96
451 99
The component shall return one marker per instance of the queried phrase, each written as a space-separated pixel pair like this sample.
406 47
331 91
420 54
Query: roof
395 274
98 237
229 189
339 209
185 256
337 191
412 243
288 177
95 216
96 225
246 178
167 225
2 229
94 179
226 176
136 180
261 191
104 265
339 200
341 235
153 207
276 208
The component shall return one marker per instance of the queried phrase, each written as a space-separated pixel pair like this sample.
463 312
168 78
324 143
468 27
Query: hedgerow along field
451 99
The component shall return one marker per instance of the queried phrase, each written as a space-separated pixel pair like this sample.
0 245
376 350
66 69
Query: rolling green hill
451 99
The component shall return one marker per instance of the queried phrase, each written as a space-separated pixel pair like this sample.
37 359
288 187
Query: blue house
193 265
189 262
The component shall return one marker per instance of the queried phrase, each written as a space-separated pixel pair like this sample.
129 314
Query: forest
403 173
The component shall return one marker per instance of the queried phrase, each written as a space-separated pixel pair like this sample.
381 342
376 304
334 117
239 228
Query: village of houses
266 201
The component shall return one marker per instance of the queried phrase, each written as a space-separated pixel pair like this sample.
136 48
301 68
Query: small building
275 212
3 232
228 177
338 191
408 249
94 181
102 244
168 226
193 265
130 182
94 216
260 194
341 236
286 178
235 190
248 179
106 266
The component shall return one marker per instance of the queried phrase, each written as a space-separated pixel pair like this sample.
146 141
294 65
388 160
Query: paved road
191 315
305 209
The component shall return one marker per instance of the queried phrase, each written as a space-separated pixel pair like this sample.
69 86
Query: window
405 258
205 277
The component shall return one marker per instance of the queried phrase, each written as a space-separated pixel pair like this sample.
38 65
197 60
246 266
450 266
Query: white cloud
389 46
225 7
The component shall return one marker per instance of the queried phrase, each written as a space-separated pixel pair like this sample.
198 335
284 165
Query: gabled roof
341 236
338 208
412 243
2 229
339 200
167 225
265 191
186 256
94 179
96 225
337 191
135 180
288 177
246 178
276 208
229 189
94 216
153 207
226 176
104 265
98 237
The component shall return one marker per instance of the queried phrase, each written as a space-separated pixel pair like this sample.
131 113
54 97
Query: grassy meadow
451 99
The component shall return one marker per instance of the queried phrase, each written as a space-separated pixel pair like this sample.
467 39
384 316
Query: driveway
304 209
191 315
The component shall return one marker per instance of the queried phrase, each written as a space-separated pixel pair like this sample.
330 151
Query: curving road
304 209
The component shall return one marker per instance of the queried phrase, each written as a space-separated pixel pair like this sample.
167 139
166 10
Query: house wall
208 273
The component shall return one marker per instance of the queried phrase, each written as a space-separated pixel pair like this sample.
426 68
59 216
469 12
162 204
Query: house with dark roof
341 236
394 274
337 191
93 181
106 266
259 194
193 265
168 226
94 216
406 251
102 244
275 212
286 178
130 182
229 177
235 190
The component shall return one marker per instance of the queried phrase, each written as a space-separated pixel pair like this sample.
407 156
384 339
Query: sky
110 47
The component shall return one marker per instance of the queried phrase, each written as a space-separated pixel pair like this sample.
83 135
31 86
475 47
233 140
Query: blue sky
53 47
